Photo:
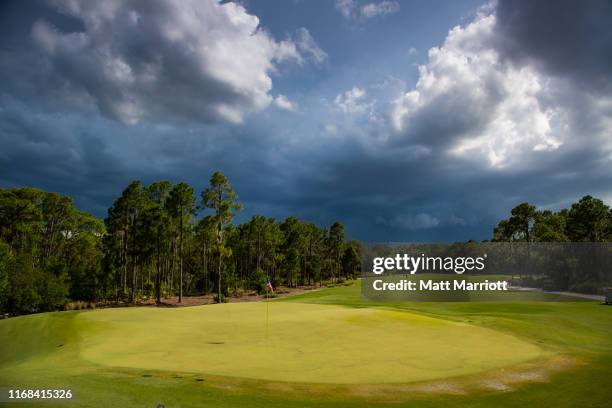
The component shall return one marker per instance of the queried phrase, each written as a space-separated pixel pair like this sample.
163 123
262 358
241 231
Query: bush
590 287
281 291
5 263
531 282
53 291
259 281
223 298
237 292
24 296
79 305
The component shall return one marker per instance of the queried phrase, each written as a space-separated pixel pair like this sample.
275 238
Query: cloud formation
201 60
474 100
379 9
282 102
569 38
500 112
308 46
352 10
353 101
491 122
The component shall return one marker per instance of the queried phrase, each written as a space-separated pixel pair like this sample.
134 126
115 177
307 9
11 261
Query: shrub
590 287
259 280
79 305
236 292
281 291
5 264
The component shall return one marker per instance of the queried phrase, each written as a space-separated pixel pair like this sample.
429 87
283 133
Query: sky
406 120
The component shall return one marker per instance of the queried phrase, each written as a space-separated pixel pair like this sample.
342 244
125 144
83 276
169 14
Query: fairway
296 342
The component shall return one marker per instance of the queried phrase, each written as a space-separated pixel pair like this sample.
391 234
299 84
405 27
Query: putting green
296 342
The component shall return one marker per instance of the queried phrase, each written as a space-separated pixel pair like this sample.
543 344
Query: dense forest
157 241
161 240
588 220
557 246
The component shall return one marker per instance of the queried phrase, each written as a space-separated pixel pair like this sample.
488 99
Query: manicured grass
296 343
477 354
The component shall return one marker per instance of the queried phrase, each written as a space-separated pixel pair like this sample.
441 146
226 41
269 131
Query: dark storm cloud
62 108
52 153
93 159
147 60
566 37
552 136
433 199
60 62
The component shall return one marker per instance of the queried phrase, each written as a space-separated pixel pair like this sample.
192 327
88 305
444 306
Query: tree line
159 240
571 261
588 220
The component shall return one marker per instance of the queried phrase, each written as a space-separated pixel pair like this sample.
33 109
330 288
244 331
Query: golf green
296 343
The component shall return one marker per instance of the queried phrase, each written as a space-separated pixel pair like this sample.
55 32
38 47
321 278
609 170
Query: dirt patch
501 380
495 381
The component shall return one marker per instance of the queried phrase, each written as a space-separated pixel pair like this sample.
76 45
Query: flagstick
267 317
266 300
269 290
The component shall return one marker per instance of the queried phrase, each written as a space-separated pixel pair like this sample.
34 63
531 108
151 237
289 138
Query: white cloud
286 50
470 102
308 46
282 102
353 11
345 7
379 9
412 51
352 101
199 60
